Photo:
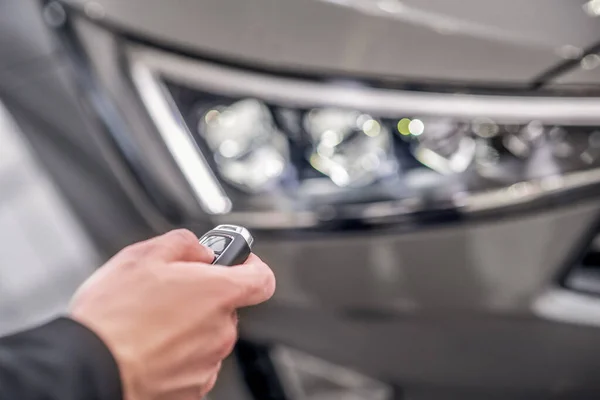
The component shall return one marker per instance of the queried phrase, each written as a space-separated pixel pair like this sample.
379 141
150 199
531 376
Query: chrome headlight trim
295 92
178 139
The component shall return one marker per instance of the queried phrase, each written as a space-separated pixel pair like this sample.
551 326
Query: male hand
167 315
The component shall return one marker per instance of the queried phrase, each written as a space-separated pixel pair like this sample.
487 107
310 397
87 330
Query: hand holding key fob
231 244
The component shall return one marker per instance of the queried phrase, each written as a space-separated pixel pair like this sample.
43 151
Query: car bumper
445 308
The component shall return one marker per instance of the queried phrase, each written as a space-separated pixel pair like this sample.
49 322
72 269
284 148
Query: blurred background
45 253
423 177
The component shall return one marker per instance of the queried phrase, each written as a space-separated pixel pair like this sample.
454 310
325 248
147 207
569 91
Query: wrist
127 368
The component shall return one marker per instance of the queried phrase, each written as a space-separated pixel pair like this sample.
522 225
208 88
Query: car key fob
231 244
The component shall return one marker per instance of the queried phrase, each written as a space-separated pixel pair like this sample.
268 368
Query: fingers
180 245
173 246
210 384
239 286
254 282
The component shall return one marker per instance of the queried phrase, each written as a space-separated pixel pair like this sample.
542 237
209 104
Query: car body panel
434 40
500 266
24 41
452 307
578 76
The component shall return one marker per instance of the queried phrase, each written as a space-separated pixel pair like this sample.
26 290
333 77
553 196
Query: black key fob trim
232 244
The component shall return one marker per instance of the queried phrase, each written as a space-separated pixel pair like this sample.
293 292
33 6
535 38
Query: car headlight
277 152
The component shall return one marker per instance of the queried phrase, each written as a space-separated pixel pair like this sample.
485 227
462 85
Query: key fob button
217 243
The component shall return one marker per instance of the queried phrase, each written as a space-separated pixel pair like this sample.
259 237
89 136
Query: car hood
479 41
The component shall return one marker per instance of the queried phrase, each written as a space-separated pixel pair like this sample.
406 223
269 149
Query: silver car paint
501 42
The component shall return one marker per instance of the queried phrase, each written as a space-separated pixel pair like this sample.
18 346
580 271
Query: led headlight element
353 149
249 150
444 145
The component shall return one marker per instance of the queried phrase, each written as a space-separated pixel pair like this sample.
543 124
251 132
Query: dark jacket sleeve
61 360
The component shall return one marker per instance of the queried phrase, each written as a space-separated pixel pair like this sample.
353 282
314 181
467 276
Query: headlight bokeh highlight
351 148
250 151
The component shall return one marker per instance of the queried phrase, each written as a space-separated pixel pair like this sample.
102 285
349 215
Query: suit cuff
94 362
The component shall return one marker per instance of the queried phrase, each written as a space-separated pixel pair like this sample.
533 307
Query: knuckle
228 340
265 286
270 284
182 237
135 249
217 369
211 383
260 288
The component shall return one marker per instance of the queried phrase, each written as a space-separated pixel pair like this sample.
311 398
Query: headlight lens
329 156
339 153
249 150
284 162
351 148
